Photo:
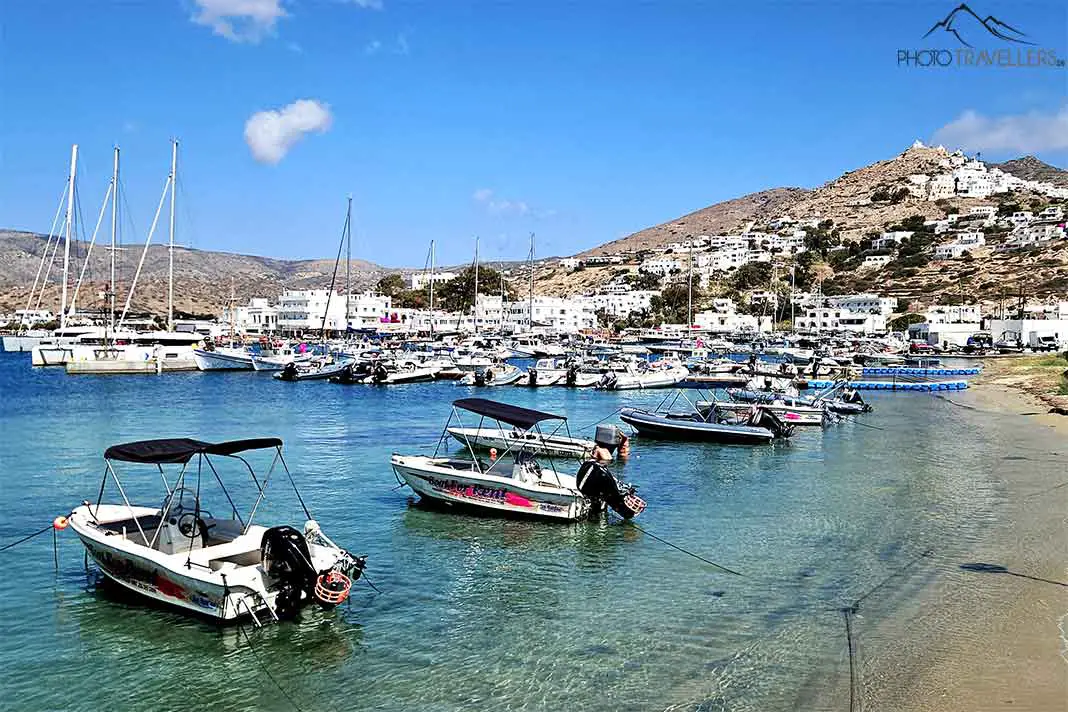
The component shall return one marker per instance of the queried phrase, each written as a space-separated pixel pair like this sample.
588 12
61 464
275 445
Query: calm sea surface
479 613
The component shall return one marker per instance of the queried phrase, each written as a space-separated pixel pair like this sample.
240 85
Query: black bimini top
512 414
181 450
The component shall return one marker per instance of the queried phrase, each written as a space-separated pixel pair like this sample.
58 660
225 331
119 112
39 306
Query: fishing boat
711 425
498 374
277 358
225 568
544 372
223 358
514 482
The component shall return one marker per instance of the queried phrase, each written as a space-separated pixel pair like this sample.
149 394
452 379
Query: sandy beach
982 640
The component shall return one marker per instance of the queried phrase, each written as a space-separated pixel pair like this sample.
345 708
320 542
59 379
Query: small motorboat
544 372
513 482
314 370
656 375
225 568
276 359
504 439
786 408
498 374
839 399
712 425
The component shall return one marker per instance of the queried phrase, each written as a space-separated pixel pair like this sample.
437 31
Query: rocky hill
1030 168
203 279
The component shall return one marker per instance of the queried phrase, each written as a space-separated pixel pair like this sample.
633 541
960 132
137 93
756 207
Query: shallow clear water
487 613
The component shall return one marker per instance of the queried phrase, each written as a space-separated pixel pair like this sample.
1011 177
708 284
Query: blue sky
580 121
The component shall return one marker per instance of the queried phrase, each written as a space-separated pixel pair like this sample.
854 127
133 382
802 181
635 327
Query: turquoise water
480 613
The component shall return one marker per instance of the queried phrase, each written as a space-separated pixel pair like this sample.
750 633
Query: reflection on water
483 612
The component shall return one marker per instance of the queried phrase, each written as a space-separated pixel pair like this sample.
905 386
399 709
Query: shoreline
980 641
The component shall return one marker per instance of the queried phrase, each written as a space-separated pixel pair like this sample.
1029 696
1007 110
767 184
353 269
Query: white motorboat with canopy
225 568
532 438
513 482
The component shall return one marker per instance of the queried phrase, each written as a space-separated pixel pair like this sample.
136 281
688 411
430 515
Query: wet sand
982 640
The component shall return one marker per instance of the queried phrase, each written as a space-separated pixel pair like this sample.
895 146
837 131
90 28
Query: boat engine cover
286 556
598 484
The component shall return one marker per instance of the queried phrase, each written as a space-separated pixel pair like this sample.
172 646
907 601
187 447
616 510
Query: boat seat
240 549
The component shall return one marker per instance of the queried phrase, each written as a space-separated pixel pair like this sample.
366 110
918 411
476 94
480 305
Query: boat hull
222 361
487 493
658 426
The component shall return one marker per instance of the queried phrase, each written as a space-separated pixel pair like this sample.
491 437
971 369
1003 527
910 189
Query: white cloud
499 206
402 44
270 134
365 4
1021 133
372 47
240 20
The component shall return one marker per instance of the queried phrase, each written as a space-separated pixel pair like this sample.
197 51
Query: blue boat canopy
182 450
505 412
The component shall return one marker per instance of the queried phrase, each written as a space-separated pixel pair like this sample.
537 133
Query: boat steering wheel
191 526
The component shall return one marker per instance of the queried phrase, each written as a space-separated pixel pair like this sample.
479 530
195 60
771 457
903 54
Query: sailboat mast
476 285
689 294
114 231
348 262
69 227
432 266
170 244
530 290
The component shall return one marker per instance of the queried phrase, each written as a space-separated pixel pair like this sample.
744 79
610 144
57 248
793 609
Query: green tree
458 294
390 285
751 276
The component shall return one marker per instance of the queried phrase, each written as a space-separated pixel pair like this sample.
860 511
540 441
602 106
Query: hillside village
893 244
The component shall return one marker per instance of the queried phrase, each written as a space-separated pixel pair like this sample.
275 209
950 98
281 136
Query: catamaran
514 482
225 568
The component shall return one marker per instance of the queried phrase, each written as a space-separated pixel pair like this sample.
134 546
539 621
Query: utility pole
476 286
71 178
431 290
530 291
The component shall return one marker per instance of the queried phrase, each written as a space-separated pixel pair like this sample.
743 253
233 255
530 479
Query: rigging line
267 672
679 548
369 583
26 538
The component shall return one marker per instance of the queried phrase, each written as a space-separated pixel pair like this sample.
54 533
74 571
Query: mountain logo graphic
963 20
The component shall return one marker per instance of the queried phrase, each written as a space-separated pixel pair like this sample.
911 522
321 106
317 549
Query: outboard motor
608 380
289 372
480 377
285 556
598 484
572 375
764 418
380 373
532 376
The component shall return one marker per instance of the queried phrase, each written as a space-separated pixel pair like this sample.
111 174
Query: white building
890 239
622 303
368 310
876 261
258 317
569 263
663 266
554 313
871 303
840 319
954 314
1053 212
303 310
720 322
419 280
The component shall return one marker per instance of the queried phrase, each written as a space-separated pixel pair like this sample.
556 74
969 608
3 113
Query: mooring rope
679 548
587 427
26 538
267 672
